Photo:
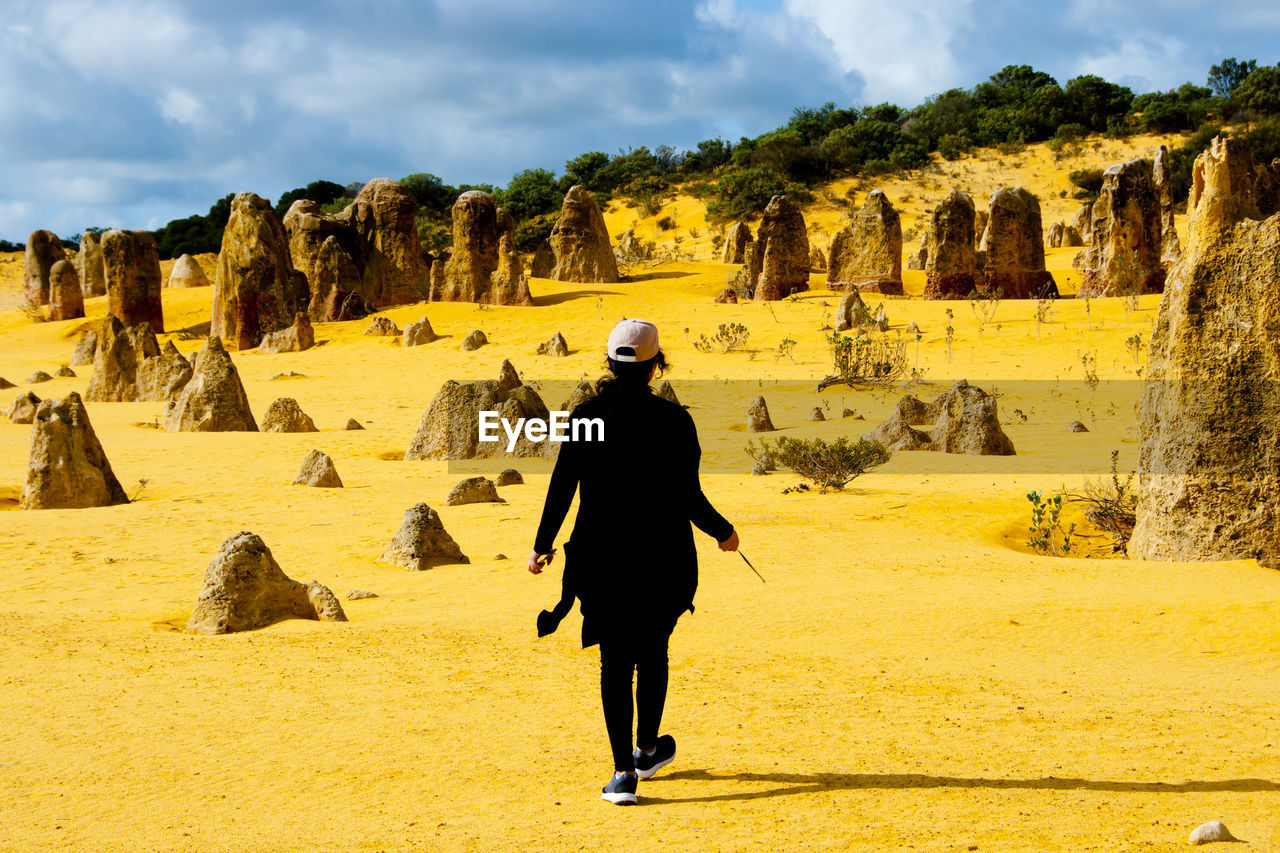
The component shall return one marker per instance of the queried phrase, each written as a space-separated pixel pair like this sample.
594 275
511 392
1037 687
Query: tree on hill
1260 91
321 192
195 234
1228 74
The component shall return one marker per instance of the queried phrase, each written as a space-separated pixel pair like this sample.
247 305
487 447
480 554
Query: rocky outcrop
93 276
422 542
851 312
544 261
728 296
43 250
38 377
981 217
6 384
86 345
317 470
967 423
187 272
917 259
869 247
582 392
758 419
1061 235
556 345
964 420
1162 177
508 376
23 409
66 302
383 327
580 241
285 415
418 333
67 468
817 260
1209 418
321 247
736 240
1011 255
65 372
896 434
777 264
473 341
256 290
480 268
245 589
1123 257
951 262
450 428
295 338
1082 222
129 365
473 490
383 219
131 262
508 477
214 399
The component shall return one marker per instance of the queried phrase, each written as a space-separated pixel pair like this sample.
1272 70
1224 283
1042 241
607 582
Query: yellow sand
910 677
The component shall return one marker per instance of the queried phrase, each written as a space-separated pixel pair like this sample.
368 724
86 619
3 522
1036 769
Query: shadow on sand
570 295
796 783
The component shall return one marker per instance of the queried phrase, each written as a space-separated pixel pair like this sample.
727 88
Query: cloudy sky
132 112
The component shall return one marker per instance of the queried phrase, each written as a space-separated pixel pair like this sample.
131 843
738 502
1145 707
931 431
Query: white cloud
1143 63
903 49
182 107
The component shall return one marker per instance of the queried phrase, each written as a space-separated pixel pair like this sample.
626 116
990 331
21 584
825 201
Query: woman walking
630 559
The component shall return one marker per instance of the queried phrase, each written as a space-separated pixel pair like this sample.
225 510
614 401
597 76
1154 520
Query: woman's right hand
730 544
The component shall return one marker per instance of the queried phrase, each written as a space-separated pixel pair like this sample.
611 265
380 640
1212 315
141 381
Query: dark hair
629 377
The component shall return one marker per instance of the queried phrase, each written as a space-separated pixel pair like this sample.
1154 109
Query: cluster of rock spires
1132 242
1209 418
123 265
776 263
485 266
129 365
450 428
1008 253
964 421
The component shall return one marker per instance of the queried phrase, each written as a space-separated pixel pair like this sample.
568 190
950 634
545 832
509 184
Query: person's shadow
797 783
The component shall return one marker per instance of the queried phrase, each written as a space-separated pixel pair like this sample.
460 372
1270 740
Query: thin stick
753 568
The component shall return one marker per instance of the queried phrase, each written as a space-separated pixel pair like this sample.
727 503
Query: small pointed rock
38 377
816 414
556 346
65 372
285 415
416 334
317 470
352 424
666 392
758 417
507 375
422 542
23 409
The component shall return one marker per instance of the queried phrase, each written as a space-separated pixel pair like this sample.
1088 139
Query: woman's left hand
535 567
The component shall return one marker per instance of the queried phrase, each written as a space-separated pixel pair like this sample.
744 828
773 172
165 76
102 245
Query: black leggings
648 659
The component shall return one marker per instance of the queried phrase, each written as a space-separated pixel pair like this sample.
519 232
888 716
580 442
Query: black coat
630 559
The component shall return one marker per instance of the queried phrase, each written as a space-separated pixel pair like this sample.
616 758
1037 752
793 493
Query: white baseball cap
633 340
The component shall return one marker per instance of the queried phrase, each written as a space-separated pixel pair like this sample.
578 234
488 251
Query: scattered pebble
38 376
357 594
290 375
1076 426
501 557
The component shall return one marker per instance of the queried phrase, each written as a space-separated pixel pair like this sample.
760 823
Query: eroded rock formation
869 247
214 399
256 290
131 262
450 428
66 302
93 276
777 264
43 250
481 268
1123 257
1011 255
187 272
951 262
67 468
422 542
245 589
580 241
1209 418
383 218
736 240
